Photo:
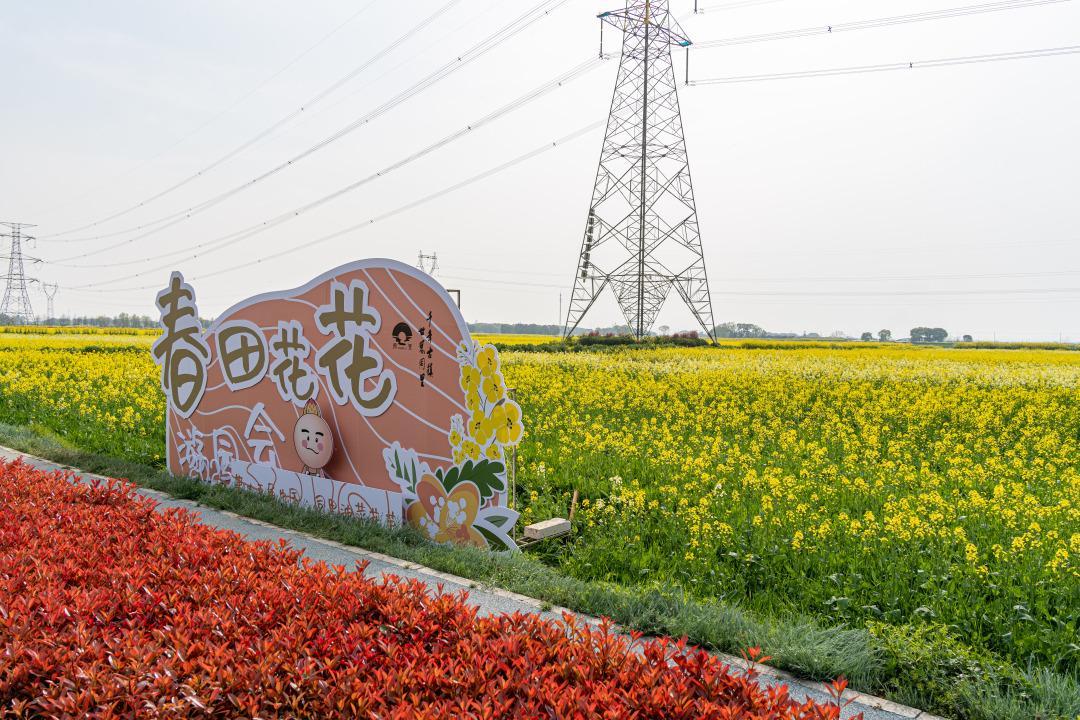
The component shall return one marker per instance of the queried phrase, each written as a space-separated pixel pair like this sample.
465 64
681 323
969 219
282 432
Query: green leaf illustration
493 540
497 520
484 474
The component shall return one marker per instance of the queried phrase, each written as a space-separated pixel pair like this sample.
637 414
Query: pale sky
936 196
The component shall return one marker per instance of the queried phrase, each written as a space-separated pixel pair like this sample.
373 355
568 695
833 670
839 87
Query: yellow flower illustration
470 378
509 426
493 388
472 400
471 450
480 428
488 361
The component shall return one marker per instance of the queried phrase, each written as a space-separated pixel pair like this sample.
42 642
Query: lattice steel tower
642 237
16 302
50 300
428 263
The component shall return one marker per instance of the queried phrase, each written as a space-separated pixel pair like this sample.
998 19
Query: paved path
488 599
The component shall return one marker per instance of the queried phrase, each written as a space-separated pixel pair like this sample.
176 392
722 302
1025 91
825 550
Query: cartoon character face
313 440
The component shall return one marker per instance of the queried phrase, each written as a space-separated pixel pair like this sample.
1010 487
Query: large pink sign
360 392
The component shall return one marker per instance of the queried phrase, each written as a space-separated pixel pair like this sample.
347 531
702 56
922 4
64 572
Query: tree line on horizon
727 330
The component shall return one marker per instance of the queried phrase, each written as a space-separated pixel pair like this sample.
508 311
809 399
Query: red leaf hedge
109 609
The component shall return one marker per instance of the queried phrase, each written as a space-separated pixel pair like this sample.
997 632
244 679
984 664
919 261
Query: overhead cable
306 106
206 247
887 67
980 8
101 184
736 5
493 41
94 287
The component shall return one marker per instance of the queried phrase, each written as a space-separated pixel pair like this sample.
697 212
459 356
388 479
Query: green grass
932 672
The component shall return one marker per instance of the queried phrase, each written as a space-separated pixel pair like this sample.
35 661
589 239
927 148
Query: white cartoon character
313 440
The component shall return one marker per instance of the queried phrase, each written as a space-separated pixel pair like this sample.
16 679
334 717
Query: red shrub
110 609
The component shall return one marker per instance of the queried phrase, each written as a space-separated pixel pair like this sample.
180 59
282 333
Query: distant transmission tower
428 263
641 236
50 298
16 303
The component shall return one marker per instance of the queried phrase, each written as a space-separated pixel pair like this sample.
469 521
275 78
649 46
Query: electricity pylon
16 303
50 300
641 236
428 263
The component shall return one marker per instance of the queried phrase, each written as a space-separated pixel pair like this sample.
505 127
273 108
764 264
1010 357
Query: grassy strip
929 672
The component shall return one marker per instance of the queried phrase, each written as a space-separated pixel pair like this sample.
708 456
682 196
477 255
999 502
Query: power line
428 46
376 219
823 293
735 294
302 114
537 13
895 293
218 115
502 269
828 293
906 278
306 106
910 65
736 5
848 278
819 278
981 301
908 249
892 249
873 23
209 246
514 283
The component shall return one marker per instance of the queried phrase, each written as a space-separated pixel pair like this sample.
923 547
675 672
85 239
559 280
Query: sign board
360 392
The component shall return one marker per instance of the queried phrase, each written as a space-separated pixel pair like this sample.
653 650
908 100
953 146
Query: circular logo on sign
402 335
